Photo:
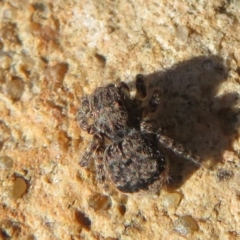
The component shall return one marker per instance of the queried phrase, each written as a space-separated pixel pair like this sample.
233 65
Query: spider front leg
124 88
84 116
100 168
141 86
153 102
93 145
178 149
155 99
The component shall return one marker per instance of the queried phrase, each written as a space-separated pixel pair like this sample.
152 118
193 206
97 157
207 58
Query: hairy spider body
127 146
135 162
108 111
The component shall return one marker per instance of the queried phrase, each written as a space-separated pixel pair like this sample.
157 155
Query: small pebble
83 220
8 32
15 88
6 163
35 28
182 33
122 209
172 200
5 62
61 141
5 132
56 73
100 202
10 14
185 225
19 187
48 34
9 229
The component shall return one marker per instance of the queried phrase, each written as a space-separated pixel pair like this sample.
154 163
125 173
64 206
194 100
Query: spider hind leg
178 149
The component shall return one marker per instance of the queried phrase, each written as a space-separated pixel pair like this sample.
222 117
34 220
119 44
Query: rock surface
54 52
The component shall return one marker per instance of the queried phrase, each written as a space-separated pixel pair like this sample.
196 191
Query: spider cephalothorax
107 111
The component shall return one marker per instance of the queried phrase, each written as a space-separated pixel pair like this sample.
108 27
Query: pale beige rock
55 52
171 200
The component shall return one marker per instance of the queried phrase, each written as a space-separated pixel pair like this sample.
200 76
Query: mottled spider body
126 147
106 111
135 162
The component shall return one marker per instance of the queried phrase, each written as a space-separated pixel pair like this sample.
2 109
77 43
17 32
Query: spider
127 144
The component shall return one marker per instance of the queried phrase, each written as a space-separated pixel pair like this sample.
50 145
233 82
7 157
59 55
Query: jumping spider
127 144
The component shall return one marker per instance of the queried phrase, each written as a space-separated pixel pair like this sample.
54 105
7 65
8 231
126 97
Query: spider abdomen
134 163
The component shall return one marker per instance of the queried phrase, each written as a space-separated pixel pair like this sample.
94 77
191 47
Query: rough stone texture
57 51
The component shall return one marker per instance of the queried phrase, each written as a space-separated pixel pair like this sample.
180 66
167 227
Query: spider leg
83 116
149 125
141 86
93 145
178 149
124 88
83 122
154 101
99 165
100 168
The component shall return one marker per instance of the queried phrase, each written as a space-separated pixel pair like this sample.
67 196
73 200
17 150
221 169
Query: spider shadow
191 113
